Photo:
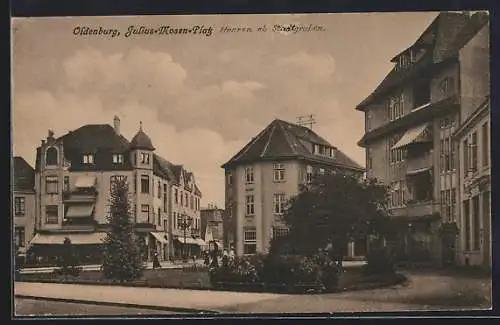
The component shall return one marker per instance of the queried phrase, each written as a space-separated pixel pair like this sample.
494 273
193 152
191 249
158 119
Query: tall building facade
212 225
410 119
473 143
74 175
23 199
267 172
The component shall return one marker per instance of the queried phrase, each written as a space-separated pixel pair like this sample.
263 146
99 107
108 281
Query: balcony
421 208
421 162
80 196
78 228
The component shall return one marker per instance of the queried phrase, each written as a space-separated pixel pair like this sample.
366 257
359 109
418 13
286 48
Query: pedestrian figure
156 262
207 259
231 254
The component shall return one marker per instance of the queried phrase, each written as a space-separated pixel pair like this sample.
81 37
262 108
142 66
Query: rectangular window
396 107
278 172
117 158
249 202
453 155
159 189
443 202
229 179
145 212
51 214
369 161
144 184
474 152
279 231
249 240
165 224
159 216
176 196
466 157
448 205
398 154
179 221
467 225
88 159
485 144
114 179
453 204
186 199
51 185
182 198
145 158
191 202
447 164
249 176
279 203
19 236
66 184
441 156
309 174
477 222
20 205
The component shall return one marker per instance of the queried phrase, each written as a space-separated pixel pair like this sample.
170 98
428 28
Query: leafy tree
68 260
122 258
333 209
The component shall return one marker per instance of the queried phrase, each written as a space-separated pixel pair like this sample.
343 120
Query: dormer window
88 159
405 60
117 159
51 157
144 158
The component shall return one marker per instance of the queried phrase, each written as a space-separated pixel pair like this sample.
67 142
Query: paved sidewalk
194 300
149 265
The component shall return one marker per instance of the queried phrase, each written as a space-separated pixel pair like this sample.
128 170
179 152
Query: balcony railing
419 162
78 227
79 196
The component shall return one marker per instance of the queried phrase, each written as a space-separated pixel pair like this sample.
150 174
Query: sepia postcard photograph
251 164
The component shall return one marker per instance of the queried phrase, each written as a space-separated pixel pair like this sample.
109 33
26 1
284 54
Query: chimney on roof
43 142
116 124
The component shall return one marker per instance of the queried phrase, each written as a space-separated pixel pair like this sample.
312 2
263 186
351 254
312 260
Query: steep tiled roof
439 39
103 141
24 175
141 141
281 140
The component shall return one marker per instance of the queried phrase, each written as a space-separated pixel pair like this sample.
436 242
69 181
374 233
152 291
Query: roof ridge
268 140
287 137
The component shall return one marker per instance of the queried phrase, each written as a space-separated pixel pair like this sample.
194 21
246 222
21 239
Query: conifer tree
122 259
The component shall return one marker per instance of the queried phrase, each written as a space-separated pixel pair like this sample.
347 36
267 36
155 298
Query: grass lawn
166 278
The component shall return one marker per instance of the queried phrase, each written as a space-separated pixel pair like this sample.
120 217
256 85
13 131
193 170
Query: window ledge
279 181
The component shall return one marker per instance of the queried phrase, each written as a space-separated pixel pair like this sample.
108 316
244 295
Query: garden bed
352 279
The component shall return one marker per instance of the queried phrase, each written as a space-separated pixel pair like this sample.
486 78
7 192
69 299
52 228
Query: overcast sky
202 98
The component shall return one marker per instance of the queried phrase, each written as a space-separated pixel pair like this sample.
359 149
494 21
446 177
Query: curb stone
119 304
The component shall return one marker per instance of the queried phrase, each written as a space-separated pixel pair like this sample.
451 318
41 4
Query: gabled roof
439 39
24 175
93 137
284 140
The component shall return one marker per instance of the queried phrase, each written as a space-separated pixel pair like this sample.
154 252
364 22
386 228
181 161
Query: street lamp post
186 223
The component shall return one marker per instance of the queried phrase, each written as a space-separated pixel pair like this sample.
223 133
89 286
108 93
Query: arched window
51 157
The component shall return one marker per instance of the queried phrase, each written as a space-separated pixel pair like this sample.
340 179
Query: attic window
51 157
117 159
88 158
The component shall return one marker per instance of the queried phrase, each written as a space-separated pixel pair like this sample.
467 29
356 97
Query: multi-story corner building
23 210
212 225
265 173
185 218
409 121
74 177
473 143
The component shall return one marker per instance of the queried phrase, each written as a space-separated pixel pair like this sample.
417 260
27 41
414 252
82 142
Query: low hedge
289 273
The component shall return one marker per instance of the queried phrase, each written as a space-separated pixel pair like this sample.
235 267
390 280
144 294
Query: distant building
23 210
265 173
473 143
212 228
410 119
74 177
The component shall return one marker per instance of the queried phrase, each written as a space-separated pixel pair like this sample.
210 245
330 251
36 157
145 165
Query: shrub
379 261
285 271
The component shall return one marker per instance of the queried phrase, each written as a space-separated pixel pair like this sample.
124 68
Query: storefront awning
160 236
418 171
85 181
188 241
80 211
410 136
77 239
